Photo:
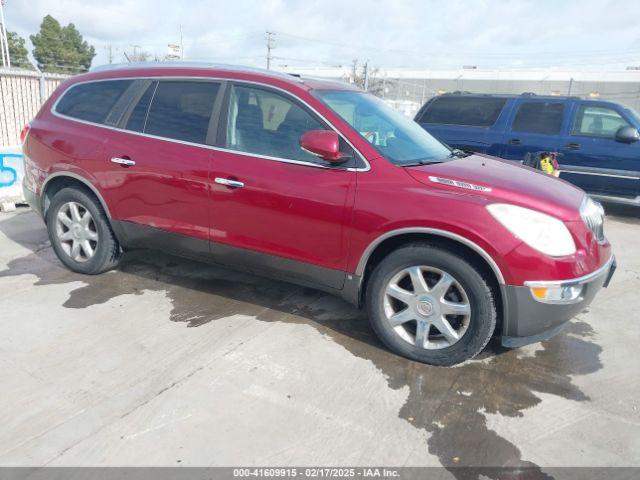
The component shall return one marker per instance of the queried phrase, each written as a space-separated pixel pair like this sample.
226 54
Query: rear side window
539 117
468 111
138 117
182 110
92 102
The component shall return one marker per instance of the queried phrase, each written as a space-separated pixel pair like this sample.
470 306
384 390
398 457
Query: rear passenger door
466 122
593 159
155 171
534 125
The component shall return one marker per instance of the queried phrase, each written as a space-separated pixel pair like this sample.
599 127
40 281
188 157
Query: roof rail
190 64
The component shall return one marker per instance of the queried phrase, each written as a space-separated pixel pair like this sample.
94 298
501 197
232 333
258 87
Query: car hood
503 181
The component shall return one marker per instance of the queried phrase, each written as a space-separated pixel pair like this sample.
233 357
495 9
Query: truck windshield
395 136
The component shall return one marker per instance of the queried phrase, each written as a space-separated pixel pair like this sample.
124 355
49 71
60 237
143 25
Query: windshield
395 136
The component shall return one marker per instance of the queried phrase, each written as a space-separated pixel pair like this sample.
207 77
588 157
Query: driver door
275 207
593 159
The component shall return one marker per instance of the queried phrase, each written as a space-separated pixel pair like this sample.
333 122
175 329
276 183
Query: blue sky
576 34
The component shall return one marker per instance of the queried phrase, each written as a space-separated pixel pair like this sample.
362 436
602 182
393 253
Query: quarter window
539 117
460 110
138 117
598 122
182 110
266 123
93 101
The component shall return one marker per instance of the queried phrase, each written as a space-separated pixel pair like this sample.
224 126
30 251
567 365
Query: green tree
18 52
61 49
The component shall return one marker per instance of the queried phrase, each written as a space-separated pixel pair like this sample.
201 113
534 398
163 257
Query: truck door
592 157
535 125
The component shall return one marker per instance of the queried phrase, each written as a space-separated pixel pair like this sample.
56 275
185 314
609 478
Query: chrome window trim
366 168
573 281
433 231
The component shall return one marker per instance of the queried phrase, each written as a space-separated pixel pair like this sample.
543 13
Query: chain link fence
409 94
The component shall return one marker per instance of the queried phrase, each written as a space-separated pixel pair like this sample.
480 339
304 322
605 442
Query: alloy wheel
427 307
77 232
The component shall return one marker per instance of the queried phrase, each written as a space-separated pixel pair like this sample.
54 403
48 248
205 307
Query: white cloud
389 33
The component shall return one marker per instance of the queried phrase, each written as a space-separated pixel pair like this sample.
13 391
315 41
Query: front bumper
527 320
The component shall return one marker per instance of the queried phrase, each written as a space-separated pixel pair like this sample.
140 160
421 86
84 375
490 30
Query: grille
593 215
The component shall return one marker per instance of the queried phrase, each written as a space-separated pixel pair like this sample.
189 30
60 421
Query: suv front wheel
80 233
430 305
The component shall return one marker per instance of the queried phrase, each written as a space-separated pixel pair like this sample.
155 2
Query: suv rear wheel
80 233
430 305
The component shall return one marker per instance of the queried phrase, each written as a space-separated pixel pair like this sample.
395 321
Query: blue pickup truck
598 140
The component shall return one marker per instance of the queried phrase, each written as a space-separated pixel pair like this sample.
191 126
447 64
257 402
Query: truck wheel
80 233
428 304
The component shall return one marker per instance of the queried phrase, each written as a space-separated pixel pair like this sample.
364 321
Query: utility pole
6 60
270 46
109 48
366 75
181 45
135 53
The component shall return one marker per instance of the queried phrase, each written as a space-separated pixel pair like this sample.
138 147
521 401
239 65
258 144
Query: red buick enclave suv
318 183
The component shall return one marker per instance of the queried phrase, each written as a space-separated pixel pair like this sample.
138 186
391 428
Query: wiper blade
421 162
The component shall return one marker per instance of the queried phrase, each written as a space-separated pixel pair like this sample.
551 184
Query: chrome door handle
123 161
229 183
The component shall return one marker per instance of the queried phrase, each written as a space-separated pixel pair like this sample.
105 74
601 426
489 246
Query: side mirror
324 144
627 135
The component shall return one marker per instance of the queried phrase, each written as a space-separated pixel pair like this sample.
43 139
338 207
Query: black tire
482 320
107 249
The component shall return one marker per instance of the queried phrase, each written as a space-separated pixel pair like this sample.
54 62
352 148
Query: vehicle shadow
200 292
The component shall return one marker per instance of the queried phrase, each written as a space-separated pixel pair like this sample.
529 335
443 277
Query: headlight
543 232
592 214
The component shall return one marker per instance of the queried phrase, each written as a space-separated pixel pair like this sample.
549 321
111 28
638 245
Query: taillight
24 133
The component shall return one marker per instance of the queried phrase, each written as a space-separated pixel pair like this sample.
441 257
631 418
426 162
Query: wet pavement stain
448 403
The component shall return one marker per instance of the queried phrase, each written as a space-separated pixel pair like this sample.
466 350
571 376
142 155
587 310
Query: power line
470 54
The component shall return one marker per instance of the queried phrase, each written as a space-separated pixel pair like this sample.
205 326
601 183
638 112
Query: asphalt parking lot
169 362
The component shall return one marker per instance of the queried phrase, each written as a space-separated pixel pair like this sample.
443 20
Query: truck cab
598 140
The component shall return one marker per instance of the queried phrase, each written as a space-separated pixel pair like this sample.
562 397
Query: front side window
539 117
266 123
598 122
93 101
182 110
461 110
395 136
